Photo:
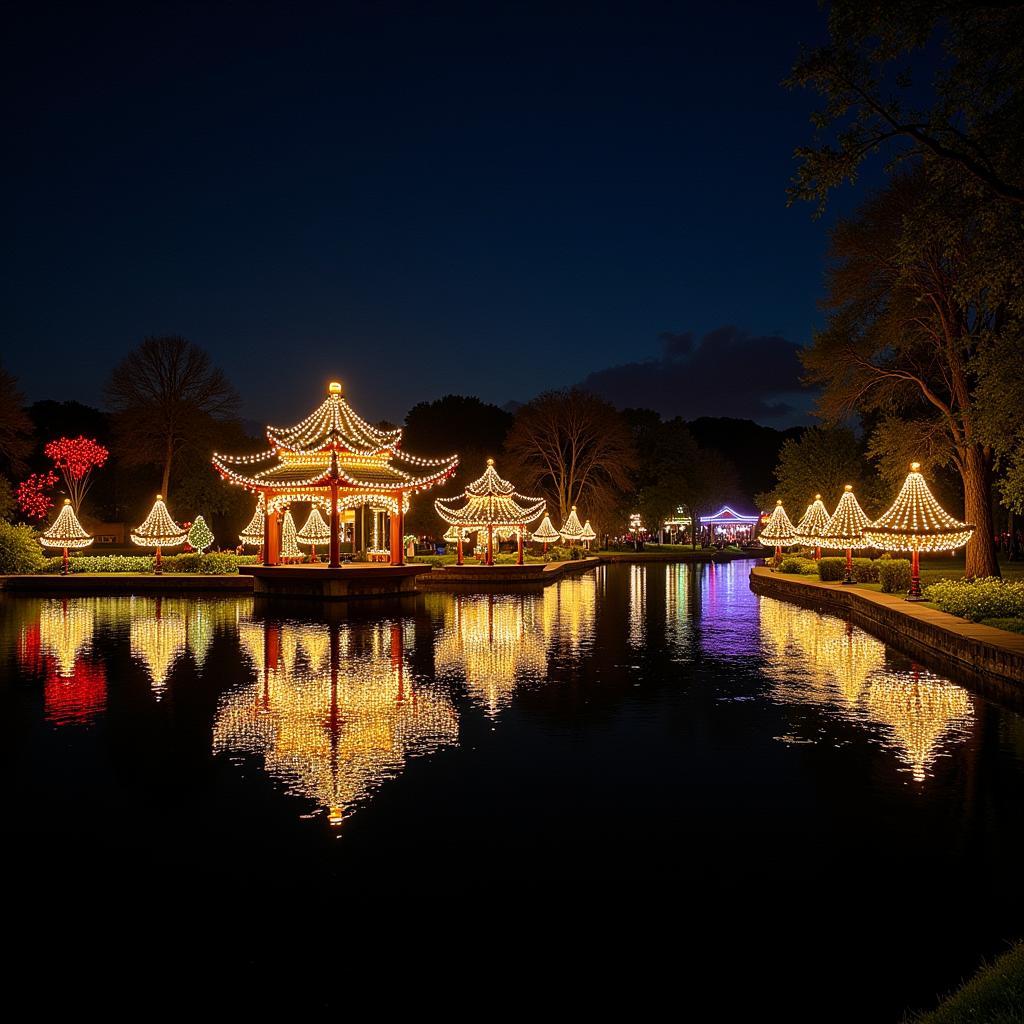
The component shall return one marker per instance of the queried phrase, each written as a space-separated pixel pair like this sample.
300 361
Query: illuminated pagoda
314 531
588 533
545 533
65 532
846 529
572 529
336 460
252 535
916 522
158 531
778 531
813 523
490 503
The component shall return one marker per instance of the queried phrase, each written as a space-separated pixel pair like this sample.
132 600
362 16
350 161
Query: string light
845 529
289 544
158 531
65 532
490 502
200 536
588 533
813 522
572 529
778 532
916 522
253 532
546 532
314 531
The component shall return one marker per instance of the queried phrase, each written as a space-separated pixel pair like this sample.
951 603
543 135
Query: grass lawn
995 995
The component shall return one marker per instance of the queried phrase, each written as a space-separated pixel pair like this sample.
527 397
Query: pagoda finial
490 462
915 466
334 388
848 487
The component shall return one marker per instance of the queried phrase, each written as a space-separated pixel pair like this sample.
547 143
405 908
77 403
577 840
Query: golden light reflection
820 659
157 639
332 711
569 613
494 642
637 604
66 630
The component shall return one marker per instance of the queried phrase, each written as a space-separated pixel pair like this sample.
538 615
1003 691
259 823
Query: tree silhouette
167 397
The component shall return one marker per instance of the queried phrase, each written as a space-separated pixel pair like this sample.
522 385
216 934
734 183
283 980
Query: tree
15 426
822 460
200 536
454 423
33 494
76 458
575 449
912 304
966 122
167 397
1000 398
710 483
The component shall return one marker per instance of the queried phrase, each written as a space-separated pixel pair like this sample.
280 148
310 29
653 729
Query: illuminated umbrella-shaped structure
489 503
846 529
778 531
813 523
545 533
252 535
289 544
65 532
158 531
916 522
314 531
572 529
588 533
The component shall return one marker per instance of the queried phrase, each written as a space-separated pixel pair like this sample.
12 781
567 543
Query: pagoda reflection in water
820 659
333 710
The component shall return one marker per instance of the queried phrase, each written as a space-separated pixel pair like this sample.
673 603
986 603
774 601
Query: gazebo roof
727 516
333 443
489 501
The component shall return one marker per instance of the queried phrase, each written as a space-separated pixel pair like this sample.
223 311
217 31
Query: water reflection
333 710
495 643
819 659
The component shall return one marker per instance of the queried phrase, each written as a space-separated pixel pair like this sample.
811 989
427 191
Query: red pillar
335 561
915 577
490 545
459 562
396 533
520 545
271 539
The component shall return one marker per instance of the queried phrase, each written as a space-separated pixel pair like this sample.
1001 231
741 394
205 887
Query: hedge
801 566
831 569
985 598
216 563
894 575
865 570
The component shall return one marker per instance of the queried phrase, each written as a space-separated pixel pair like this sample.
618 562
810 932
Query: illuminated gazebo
334 459
490 503
728 520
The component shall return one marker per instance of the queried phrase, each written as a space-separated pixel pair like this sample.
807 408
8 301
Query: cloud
727 373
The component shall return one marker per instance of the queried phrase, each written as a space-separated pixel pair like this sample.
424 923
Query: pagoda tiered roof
333 442
489 501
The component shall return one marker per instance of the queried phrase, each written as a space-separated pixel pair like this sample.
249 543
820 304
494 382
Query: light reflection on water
820 659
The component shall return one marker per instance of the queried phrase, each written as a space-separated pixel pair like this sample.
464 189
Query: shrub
19 549
831 569
216 563
801 566
865 570
894 575
977 599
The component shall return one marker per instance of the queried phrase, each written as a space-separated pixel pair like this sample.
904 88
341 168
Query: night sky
480 203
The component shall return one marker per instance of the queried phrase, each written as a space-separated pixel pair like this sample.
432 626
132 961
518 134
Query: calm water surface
775 785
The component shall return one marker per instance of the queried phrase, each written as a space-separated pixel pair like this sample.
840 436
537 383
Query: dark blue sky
479 202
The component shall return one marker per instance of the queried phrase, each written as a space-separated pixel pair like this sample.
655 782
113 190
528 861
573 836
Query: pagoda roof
334 425
726 515
489 501
333 443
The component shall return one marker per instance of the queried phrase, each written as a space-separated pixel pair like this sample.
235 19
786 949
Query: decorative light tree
778 531
158 531
546 533
814 521
253 533
572 528
33 499
314 531
65 532
200 536
76 458
916 522
289 546
588 534
846 529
